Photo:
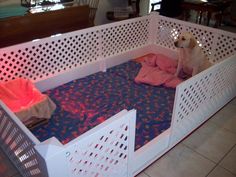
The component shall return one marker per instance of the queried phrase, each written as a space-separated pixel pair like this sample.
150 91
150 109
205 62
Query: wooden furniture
93 5
21 29
135 13
208 7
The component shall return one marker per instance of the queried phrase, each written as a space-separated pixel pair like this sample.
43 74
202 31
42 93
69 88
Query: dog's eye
183 39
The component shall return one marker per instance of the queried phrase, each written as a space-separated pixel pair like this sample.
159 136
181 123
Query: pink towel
158 69
25 100
19 93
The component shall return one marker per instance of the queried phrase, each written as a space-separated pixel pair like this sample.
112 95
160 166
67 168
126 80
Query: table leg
200 19
208 18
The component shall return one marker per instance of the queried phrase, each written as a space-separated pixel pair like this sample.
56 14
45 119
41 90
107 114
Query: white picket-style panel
17 145
104 152
199 97
124 36
48 57
54 55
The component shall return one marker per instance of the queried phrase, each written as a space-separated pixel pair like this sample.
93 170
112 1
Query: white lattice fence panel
49 56
204 37
216 44
104 153
199 97
225 46
18 147
125 36
166 32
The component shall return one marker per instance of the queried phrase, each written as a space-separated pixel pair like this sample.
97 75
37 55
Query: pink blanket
25 100
158 69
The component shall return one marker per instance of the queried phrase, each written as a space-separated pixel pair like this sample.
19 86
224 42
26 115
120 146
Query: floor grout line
227 153
199 154
228 130
211 170
146 174
218 163
227 170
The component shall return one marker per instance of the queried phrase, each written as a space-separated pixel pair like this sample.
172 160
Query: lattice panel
204 38
167 32
216 44
19 148
124 37
192 97
199 92
225 47
49 57
101 155
222 79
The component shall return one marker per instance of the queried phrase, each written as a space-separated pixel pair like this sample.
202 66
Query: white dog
191 57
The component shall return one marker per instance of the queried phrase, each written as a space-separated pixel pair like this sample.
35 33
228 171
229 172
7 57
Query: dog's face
185 40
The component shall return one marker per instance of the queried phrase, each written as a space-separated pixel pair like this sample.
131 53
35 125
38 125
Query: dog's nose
176 43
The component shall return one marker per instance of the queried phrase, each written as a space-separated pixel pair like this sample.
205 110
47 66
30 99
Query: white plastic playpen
58 59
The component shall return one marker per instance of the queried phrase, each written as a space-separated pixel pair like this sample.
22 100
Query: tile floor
209 152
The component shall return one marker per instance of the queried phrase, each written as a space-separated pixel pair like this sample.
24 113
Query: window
155 7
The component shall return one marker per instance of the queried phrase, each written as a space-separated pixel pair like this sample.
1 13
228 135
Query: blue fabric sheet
84 103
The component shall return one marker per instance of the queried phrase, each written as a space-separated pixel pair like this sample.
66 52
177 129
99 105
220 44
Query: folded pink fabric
158 69
25 100
19 93
173 82
166 64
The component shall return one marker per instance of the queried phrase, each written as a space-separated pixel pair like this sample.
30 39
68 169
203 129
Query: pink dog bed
26 101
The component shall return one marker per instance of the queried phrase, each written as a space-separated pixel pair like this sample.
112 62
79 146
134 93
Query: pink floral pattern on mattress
84 103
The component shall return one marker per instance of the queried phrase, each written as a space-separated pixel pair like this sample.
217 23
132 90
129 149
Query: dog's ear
192 43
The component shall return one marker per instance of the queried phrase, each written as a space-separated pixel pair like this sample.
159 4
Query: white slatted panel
122 37
18 147
225 47
51 56
103 153
201 96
